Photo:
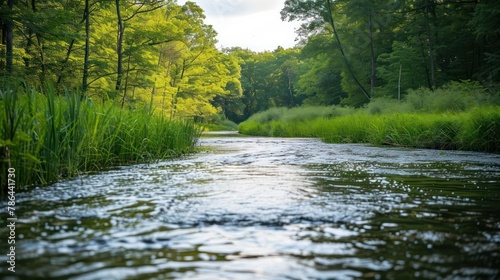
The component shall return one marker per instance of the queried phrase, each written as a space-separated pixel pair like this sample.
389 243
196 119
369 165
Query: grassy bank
476 129
47 137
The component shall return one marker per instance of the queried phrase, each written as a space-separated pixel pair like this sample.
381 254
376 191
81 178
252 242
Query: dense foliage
133 52
89 84
355 51
161 53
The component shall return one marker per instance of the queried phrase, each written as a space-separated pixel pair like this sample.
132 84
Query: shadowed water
264 208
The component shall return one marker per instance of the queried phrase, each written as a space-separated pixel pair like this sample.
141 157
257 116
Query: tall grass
47 137
461 115
220 123
477 129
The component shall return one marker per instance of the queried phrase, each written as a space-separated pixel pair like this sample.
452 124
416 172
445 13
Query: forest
132 52
163 54
64 60
353 52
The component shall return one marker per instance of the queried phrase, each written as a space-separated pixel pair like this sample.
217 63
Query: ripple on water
270 208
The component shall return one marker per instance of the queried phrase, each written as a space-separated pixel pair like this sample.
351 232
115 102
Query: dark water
261 208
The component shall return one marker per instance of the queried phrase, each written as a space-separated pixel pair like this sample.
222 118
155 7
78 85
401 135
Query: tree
402 68
133 9
485 23
320 76
7 22
85 74
318 14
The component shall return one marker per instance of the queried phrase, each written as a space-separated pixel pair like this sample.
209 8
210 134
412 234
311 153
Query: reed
47 137
477 129
481 130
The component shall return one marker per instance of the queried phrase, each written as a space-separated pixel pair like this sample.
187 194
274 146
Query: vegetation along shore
47 137
459 119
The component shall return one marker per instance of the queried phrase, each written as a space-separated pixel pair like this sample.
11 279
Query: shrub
453 97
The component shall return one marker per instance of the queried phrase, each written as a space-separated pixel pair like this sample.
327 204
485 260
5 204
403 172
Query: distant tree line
355 50
161 54
137 52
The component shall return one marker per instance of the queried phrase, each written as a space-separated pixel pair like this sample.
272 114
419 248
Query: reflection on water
260 208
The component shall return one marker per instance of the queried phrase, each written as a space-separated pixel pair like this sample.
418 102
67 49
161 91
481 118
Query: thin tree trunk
290 88
430 38
372 57
163 99
42 59
427 74
119 47
86 15
399 81
175 95
153 91
40 49
126 82
65 61
9 62
348 65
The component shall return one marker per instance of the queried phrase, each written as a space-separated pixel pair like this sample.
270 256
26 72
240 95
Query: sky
252 24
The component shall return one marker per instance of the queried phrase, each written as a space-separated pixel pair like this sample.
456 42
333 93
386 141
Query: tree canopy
162 54
155 53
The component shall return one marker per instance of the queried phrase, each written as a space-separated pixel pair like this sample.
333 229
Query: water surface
268 208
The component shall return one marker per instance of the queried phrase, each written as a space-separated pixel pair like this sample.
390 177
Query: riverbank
47 138
477 129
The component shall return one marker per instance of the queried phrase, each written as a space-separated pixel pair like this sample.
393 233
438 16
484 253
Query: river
268 208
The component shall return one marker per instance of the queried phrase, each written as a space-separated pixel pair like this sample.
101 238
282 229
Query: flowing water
268 208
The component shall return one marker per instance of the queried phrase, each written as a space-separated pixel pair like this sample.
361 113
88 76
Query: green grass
225 125
477 129
47 138
460 115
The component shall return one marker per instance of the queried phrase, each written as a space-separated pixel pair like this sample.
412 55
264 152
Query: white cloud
235 7
253 24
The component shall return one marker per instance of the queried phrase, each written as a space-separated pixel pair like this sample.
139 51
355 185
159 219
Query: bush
384 105
453 97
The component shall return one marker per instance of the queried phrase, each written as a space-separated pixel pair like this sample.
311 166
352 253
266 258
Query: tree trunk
372 57
86 15
119 47
399 81
65 61
341 49
9 26
175 94
430 8
290 88
153 91
424 63
126 82
42 60
41 53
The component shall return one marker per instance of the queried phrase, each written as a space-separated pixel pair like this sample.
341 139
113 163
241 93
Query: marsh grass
460 115
477 129
47 138
225 125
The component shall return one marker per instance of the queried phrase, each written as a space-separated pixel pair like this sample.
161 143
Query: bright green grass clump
477 129
47 138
